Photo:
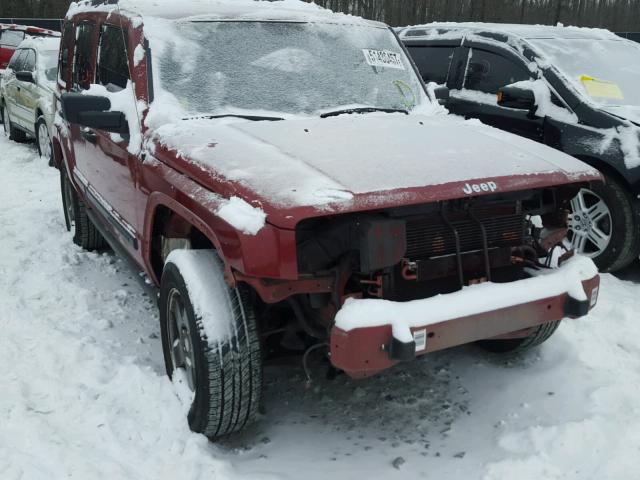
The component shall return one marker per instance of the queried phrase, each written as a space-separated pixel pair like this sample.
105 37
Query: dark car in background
12 35
571 88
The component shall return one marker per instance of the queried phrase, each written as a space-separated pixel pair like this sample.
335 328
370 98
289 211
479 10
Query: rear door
487 71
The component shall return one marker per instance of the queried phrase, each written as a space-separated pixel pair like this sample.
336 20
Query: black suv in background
574 89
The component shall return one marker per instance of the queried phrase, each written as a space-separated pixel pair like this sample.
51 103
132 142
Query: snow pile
242 216
475 299
203 274
84 393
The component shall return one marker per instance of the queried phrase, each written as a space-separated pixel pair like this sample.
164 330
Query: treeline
616 15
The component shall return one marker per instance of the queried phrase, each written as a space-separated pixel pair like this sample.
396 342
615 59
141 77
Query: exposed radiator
431 237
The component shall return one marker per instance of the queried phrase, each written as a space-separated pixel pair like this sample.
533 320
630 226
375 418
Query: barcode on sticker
383 58
420 339
594 296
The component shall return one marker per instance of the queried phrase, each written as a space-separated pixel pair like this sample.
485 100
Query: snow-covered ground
83 393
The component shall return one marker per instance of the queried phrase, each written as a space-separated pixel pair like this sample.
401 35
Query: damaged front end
433 253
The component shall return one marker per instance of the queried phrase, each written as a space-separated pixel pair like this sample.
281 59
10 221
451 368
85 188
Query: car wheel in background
603 225
43 140
218 379
513 345
10 131
85 234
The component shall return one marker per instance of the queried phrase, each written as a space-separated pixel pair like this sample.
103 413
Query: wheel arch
606 169
168 218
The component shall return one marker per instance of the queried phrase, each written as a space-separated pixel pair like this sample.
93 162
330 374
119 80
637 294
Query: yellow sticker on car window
601 88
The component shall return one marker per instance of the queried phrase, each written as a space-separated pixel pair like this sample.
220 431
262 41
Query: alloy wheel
182 354
44 142
590 224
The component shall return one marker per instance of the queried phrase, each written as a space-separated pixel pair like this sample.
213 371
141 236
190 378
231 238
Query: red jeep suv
281 172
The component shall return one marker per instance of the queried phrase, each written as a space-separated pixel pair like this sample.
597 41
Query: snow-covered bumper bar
372 335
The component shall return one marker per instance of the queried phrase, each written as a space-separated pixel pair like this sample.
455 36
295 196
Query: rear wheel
85 234
43 140
10 131
539 335
603 225
210 342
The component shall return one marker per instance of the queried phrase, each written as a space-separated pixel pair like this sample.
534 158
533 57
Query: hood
308 167
627 112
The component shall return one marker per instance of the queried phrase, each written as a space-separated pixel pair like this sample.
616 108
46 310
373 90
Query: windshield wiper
349 111
253 118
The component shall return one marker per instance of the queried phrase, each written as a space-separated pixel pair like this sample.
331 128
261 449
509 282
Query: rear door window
113 63
84 57
433 62
11 38
487 72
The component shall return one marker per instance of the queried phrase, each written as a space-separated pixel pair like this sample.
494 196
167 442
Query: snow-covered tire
540 335
43 140
85 233
625 242
213 340
10 131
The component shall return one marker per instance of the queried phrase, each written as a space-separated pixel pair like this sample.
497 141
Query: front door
485 73
107 163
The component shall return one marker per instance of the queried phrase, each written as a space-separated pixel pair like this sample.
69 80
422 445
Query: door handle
89 135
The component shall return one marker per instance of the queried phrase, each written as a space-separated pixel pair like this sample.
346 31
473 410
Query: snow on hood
625 111
328 162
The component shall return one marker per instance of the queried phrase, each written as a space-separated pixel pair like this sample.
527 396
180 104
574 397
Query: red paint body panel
360 352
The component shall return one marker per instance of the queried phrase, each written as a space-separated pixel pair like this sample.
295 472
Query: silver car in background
26 92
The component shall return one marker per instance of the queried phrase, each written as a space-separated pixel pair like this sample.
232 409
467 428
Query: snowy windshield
214 67
605 70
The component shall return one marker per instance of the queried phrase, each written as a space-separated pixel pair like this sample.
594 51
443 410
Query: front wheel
603 225
210 343
512 345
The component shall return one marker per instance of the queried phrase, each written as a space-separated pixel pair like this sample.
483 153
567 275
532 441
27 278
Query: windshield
308 68
49 64
604 70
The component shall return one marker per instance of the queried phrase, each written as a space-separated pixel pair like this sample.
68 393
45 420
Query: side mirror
442 94
25 77
520 98
93 112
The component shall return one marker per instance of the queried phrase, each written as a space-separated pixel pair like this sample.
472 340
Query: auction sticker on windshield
383 58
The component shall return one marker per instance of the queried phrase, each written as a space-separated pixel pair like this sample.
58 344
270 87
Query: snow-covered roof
41 43
518 30
221 10
29 29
